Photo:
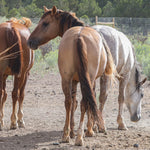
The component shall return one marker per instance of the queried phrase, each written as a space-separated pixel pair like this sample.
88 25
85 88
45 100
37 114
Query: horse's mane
71 19
25 21
137 72
65 17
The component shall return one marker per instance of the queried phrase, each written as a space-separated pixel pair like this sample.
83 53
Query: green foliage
13 12
143 56
33 11
46 63
91 8
108 10
49 61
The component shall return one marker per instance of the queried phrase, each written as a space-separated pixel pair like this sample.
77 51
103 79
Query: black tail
12 37
86 87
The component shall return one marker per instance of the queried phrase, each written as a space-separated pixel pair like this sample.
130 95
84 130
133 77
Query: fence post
113 20
96 20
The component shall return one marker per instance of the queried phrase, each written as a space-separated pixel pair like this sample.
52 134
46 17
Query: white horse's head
134 94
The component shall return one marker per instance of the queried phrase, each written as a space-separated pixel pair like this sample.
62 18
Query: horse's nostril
33 43
135 118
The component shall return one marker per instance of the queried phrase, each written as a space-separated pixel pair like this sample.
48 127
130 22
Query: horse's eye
142 95
45 24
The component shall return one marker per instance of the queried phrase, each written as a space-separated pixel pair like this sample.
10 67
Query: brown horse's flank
87 92
13 36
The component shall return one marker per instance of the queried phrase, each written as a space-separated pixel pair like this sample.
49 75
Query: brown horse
83 57
13 40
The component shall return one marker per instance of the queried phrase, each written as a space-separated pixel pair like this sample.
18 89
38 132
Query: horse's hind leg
15 96
80 132
3 96
21 123
66 86
73 108
121 97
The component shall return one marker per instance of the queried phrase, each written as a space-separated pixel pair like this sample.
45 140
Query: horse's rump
12 37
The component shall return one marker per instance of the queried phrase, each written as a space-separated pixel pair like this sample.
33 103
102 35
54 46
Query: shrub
143 57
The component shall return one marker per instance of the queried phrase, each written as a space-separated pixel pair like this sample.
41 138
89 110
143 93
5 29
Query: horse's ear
143 81
54 10
45 8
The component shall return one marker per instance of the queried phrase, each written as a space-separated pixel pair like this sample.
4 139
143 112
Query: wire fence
129 26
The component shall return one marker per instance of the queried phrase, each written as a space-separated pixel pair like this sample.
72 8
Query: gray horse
130 86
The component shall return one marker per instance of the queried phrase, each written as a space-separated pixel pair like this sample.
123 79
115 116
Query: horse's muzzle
33 43
135 117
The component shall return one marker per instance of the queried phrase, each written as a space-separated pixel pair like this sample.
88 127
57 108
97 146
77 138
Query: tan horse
83 57
13 40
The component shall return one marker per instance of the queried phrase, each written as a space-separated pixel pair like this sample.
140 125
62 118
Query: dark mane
71 20
46 13
66 17
137 78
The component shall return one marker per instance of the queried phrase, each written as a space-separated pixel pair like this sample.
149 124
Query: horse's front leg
21 123
66 86
104 87
73 108
121 98
15 96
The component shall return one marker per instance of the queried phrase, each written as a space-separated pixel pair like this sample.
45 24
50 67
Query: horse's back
120 47
68 48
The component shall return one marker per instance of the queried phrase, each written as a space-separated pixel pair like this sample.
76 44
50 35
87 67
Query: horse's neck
70 22
131 81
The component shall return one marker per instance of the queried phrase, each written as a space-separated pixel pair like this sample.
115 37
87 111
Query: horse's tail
15 62
84 78
110 69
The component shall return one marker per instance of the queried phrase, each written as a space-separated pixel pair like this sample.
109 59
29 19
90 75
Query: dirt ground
44 116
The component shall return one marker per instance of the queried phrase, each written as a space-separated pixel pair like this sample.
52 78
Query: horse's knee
68 103
15 95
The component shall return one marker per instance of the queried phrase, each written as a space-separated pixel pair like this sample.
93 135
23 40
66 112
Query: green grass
45 64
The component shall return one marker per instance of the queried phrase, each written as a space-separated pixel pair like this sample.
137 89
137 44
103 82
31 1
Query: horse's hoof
89 133
13 126
95 129
102 130
65 139
21 124
79 142
72 135
1 125
122 127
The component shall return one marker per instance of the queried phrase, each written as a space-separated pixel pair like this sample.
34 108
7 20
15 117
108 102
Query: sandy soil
44 115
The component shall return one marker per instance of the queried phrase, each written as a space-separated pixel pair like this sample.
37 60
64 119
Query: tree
13 13
13 4
89 8
128 8
3 8
33 11
108 10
